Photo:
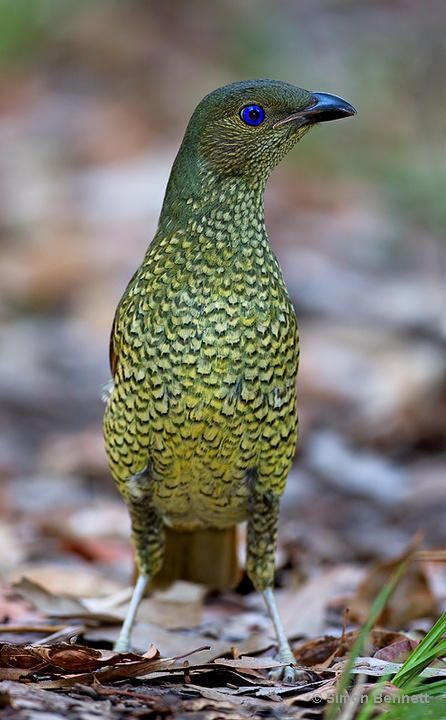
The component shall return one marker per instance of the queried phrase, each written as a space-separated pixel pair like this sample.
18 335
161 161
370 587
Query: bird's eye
252 114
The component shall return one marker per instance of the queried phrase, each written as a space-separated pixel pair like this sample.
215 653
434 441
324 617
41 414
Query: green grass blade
432 647
375 611
423 709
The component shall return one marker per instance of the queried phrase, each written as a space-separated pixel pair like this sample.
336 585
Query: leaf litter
193 658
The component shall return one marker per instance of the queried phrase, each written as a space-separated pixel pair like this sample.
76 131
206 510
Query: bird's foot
121 645
288 672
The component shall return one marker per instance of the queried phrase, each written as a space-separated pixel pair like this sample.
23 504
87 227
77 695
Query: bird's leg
148 541
123 642
262 535
284 652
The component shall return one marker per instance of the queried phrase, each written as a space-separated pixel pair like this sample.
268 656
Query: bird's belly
207 406
207 447
201 472
187 508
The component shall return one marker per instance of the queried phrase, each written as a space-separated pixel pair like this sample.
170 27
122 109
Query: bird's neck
214 203
212 238
211 222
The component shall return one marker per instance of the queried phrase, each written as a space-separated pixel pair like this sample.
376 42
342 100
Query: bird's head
247 127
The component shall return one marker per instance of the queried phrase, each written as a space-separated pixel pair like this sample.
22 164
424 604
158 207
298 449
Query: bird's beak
322 108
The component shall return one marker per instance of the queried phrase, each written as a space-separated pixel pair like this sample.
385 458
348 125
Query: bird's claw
121 646
288 672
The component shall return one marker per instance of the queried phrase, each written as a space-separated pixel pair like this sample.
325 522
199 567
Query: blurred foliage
387 57
27 25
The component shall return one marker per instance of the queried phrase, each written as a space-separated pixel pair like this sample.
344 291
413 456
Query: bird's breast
206 380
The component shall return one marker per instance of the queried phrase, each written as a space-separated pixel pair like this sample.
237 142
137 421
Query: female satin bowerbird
200 422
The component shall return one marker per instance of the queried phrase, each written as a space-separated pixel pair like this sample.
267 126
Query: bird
200 422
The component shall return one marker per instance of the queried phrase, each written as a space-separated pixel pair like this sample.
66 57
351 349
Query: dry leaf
180 606
321 692
376 667
169 643
397 652
412 598
323 651
63 658
303 609
70 606
76 663
77 581
14 608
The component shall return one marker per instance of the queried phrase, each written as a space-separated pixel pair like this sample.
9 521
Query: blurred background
94 100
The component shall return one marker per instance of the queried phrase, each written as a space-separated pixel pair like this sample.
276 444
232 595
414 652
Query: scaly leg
148 541
262 535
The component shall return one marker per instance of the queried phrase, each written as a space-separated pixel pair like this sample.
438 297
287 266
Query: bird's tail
208 557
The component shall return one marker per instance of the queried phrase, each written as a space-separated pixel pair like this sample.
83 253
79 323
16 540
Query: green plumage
201 422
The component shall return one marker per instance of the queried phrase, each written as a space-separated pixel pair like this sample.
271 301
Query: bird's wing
115 329
113 352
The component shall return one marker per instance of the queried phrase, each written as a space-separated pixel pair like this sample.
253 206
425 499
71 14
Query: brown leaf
397 652
180 606
79 581
322 652
75 663
303 609
169 643
53 658
413 597
69 606
16 609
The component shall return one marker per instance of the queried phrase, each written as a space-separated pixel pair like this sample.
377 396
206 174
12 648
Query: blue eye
252 115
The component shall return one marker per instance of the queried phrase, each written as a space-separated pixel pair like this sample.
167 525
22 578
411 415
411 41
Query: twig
5 628
430 555
65 633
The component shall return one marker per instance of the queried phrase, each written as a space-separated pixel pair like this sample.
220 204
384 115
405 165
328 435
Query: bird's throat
217 217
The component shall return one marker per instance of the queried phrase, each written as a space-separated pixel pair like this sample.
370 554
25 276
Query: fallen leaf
72 662
60 658
321 692
376 667
412 598
397 652
62 580
169 643
15 608
303 609
180 606
50 604
323 651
